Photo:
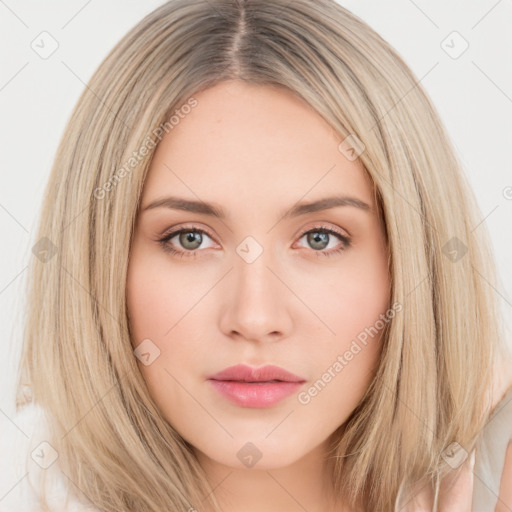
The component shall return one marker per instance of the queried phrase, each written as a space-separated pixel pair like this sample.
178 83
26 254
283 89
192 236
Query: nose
257 302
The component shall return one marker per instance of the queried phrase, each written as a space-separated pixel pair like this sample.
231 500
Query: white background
472 93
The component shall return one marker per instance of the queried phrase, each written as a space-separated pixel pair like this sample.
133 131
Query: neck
302 485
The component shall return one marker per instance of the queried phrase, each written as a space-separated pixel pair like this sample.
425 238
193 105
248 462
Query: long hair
433 384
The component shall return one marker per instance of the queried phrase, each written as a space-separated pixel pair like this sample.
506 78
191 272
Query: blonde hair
432 387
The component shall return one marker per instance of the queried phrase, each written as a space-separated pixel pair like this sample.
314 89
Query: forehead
253 141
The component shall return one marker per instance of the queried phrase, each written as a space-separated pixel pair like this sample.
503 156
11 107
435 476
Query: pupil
191 237
318 238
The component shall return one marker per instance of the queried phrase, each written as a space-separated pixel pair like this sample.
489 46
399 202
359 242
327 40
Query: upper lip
245 373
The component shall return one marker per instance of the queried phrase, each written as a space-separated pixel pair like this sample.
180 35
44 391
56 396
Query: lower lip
252 394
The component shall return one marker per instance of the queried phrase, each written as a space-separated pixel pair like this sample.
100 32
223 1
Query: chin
254 453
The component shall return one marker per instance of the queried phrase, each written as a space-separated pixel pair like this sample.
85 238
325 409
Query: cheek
353 297
146 302
356 301
154 307
160 304
156 299
368 285
345 365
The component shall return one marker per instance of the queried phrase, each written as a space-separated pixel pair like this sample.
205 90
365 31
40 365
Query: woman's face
271 281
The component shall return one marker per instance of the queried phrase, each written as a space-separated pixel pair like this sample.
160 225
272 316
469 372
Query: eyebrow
215 210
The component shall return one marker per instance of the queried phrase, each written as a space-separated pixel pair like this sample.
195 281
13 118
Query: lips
245 373
262 387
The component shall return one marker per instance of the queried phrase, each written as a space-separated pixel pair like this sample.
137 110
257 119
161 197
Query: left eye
319 238
191 239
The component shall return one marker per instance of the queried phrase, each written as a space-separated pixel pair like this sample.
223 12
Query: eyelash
164 242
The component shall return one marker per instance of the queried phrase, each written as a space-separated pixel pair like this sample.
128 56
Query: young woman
261 288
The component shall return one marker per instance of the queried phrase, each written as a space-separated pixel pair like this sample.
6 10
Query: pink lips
255 387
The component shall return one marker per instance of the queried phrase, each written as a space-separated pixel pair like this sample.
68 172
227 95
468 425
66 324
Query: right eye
190 239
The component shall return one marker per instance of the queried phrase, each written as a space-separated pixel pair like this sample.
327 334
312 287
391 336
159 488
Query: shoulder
26 454
502 397
502 382
504 503
19 428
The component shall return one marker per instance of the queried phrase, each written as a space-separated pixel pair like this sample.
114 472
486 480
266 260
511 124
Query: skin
256 151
